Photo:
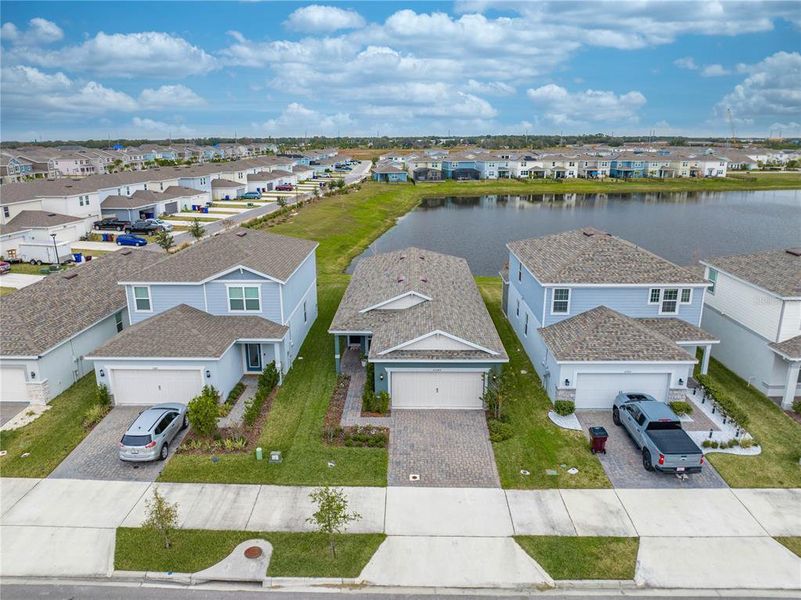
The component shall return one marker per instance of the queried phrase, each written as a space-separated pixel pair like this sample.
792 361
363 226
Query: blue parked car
130 240
251 196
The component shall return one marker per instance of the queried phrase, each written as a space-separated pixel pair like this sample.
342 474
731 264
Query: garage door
153 386
171 208
598 390
12 385
436 389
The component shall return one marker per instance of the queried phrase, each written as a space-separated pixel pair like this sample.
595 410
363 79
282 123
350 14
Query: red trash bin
598 437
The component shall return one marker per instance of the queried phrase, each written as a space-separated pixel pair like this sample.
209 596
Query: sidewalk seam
253 508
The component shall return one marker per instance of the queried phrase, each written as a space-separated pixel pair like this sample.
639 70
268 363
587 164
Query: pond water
680 226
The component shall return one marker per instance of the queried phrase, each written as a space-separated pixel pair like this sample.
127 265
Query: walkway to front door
445 448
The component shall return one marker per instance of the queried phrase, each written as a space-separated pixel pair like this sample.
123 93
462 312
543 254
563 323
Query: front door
253 357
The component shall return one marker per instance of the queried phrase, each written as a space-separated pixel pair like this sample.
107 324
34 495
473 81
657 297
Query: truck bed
673 441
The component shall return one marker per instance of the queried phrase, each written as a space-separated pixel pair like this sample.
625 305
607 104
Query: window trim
517 309
651 296
554 301
242 287
519 271
525 326
662 301
149 309
712 277
305 317
681 296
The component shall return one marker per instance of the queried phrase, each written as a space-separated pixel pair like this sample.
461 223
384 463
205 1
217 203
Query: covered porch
356 343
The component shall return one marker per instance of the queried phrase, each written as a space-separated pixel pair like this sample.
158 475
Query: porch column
790 384
278 365
705 359
336 354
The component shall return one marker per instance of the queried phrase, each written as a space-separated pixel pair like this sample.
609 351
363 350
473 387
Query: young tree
281 201
499 388
196 229
162 517
332 515
165 240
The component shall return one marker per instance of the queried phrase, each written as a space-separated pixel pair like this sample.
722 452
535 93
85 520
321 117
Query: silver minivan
149 436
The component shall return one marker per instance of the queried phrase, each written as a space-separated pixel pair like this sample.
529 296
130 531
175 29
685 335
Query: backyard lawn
537 443
294 554
50 437
583 557
778 434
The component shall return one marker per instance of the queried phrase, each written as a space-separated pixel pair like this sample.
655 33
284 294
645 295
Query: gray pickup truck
657 431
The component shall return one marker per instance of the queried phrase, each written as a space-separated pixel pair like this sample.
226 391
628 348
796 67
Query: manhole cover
253 552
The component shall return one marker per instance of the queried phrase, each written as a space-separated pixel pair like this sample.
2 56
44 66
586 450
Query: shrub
797 406
235 393
202 411
564 407
723 400
268 378
103 397
499 431
369 372
365 436
94 415
746 443
375 403
707 443
681 408
713 444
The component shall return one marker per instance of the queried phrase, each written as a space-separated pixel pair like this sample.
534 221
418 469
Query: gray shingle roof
40 316
225 183
186 332
790 348
273 255
592 256
678 330
602 334
125 202
455 306
777 271
36 219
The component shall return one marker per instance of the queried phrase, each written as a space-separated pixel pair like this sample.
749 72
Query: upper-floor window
686 295
520 271
305 318
244 298
713 277
561 301
525 326
670 305
118 321
517 308
6 212
142 299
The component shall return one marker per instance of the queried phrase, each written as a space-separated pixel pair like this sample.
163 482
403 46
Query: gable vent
794 251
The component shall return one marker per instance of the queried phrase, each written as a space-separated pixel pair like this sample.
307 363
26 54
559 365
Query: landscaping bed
568 557
294 554
357 436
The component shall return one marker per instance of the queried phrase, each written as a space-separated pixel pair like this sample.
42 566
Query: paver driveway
96 456
623 460
446 448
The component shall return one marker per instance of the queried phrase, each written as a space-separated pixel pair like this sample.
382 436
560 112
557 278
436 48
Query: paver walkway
352 414
237 414
446 448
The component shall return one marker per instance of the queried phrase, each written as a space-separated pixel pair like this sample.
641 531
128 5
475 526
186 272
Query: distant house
227 189
598 315
754 307
37 227
224 307
50 327
389 173
419 318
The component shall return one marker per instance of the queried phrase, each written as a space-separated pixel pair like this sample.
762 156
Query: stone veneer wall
566 394
677 395
39 392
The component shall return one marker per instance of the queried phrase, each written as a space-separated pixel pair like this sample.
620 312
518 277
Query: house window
713 277
304 312
525 326
5 211
561 301
142 299
244 298
653 298
118 321
670 305
686 295
520 271
517 309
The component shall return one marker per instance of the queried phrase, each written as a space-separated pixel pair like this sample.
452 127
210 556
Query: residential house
37 228
226 306
51 326
754 307
420 320
597 314
226 189
387 172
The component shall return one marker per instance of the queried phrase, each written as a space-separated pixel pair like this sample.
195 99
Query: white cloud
150 125
490 88
772 89
297 120
170 96
560 106
316 19
39 32
124 55
714 70
687 62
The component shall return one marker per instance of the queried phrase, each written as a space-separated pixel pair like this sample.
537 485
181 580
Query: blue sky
153 69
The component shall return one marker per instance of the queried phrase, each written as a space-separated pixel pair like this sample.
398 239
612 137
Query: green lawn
793 543
6 290
27 269
295 424
778 434
50 437
538 444
583 557
294 554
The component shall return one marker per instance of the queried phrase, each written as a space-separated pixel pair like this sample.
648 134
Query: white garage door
12 385
598 390
436 389
153 386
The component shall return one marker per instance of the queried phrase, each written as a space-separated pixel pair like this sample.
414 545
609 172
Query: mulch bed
793 415
336 435
336 406
251 435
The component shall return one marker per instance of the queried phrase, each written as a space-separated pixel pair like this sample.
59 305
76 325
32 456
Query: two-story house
224 307
597 314
754 307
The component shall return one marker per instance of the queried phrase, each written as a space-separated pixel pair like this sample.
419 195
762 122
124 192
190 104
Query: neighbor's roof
455 306
387 168
789 348
778 271
43 315
273 255
592 256
186 332
225 183
602 334
678 330
36 219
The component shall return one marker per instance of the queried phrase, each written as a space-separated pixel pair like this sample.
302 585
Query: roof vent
422 257
241 233
402 257
51 214
794 251
424 279
125 252
401 278
70 275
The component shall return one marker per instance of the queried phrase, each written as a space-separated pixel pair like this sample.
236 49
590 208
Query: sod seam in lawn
569 557
294 554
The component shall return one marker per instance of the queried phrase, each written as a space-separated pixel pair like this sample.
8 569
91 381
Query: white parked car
166 225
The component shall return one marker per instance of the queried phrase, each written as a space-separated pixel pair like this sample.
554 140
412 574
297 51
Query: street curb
267 582
596 584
